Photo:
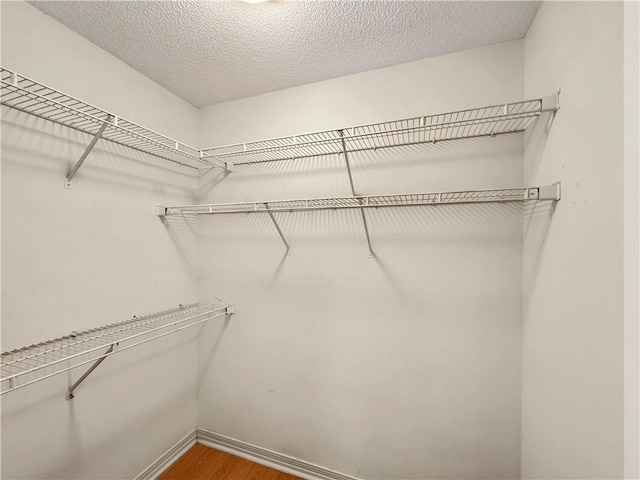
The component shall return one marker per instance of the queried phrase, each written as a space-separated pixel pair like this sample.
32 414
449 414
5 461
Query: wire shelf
473 123
27 365
27 95
518 194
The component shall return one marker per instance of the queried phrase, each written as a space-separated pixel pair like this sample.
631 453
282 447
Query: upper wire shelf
518 194
476 122
27 365
29 96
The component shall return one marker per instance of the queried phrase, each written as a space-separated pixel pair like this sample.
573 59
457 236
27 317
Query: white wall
632 240
573 257
75 259
402 366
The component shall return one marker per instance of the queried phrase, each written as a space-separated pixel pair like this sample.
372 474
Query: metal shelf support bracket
549 192
87 151
551 103
161 211
353 192
108 352
275 223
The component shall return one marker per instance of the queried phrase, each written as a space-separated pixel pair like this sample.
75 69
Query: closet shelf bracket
345 152
87 151
551 103
547 192
70 394
275 223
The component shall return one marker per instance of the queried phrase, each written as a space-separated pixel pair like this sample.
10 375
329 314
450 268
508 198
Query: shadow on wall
535 143
206 358
537 216
460 224
37 143
183 231
537 222
332 245
389 157
79 451
451 165
54 388
70 450
210 179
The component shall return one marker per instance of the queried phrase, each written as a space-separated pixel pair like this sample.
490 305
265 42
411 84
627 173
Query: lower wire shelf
27 365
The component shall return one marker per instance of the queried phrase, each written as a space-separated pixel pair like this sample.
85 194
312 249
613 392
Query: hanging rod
27 365
472 123
35 98
518 194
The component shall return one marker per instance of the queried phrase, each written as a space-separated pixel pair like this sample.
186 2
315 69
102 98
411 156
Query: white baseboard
154 470
254 453
269 458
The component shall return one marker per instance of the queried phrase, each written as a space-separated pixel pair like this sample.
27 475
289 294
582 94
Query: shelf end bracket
550 192
161 211
70 395
551 103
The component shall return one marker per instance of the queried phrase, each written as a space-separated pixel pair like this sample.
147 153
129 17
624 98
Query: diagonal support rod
353 192
86 152
273 219
70 394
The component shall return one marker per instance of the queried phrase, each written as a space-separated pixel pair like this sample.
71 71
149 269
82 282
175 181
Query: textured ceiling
209 52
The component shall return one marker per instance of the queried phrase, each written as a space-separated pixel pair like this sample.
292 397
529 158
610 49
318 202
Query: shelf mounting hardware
353 191
547 192
87 151
275 223
551 103
70 394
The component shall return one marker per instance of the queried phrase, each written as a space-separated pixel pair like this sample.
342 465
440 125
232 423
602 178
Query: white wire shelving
362 202
472 123
518 194
32 97
27 365
35 98
479 122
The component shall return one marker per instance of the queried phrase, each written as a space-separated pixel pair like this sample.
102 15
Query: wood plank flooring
204 463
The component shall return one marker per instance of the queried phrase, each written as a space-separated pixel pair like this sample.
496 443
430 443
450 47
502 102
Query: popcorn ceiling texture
210 52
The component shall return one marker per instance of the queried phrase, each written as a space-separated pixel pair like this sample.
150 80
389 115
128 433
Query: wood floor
204 463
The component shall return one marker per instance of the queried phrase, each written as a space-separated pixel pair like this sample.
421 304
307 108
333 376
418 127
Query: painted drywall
402 366
573 256
95 254
631 240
